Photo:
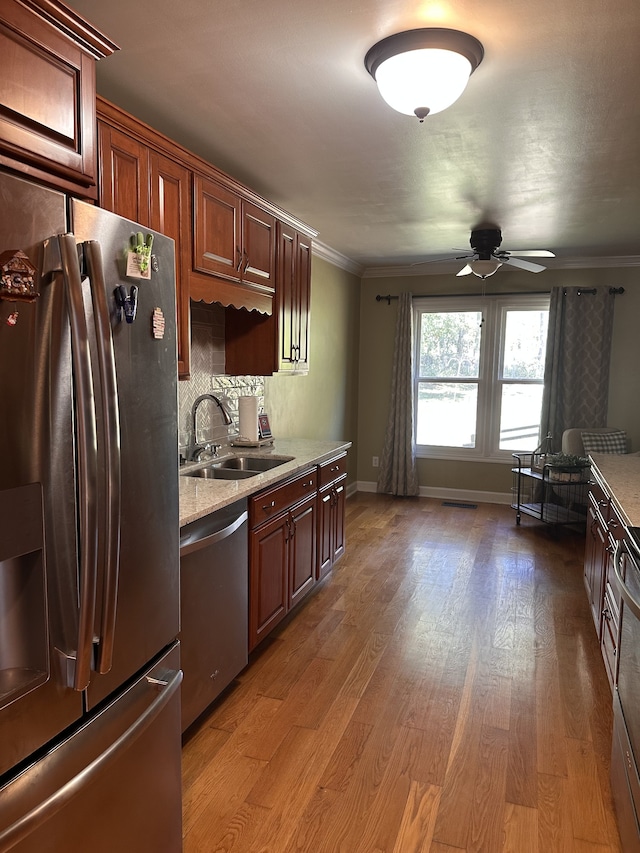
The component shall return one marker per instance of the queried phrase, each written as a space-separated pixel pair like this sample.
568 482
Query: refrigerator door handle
87 452
110 414
29 822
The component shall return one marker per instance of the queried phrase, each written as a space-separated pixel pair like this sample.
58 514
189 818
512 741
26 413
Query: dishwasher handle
213 538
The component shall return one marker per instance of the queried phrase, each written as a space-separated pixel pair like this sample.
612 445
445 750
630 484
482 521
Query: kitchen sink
237 467
214 473
251 463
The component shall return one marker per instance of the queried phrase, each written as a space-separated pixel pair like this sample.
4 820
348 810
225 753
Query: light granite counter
619 474
199 497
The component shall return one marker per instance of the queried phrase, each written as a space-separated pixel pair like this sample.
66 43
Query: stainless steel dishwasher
214 589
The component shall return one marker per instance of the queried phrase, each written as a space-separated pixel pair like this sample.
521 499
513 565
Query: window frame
490 382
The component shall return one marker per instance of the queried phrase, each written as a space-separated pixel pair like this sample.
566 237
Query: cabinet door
258 246
302 550
594 566
170 190
124 175
287 299
339 505
217 229
325 538
268 596
47 94
293 296
303 277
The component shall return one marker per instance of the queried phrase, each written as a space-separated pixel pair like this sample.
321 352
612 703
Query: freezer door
38 547
145 582
111 785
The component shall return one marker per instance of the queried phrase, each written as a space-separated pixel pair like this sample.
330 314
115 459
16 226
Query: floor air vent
460 504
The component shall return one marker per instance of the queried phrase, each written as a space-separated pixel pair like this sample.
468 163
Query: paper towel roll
248 417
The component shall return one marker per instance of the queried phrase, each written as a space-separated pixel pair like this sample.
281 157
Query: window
479 372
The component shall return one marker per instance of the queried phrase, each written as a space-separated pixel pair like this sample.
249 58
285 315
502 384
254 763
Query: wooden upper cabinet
255 344
258 246
234 260
150 187
232 246
47 93
217 230
303 276
124 174
170 192
294 295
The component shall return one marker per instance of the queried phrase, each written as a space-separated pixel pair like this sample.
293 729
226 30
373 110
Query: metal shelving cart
539 490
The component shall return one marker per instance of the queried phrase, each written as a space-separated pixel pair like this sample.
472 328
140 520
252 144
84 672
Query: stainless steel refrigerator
89 532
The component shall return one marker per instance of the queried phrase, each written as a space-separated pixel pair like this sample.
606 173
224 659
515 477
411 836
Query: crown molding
551 263
321 250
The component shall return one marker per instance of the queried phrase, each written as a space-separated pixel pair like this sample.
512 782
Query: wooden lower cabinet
332 481
268 596
604 528
331 526
595 563
282 552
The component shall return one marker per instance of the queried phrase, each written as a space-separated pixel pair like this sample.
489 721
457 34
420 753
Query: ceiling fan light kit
422 72
485 268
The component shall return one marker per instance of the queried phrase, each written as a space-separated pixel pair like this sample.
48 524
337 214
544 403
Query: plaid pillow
605 442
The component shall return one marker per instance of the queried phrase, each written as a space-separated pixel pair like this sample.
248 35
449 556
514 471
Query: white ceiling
544 142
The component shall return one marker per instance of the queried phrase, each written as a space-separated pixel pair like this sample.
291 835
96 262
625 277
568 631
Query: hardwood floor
442 691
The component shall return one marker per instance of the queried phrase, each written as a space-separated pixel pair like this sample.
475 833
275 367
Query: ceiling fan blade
523 265
465 271
531 253
441 260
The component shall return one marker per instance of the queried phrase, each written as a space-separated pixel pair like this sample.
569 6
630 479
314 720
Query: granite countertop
619 473
199 497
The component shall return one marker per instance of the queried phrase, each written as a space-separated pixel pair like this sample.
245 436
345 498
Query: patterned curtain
398 473
576 376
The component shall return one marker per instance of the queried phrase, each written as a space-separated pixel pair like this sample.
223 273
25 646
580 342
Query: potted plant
567 468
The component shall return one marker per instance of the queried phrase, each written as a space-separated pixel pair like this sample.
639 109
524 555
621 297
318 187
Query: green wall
323 404
377 331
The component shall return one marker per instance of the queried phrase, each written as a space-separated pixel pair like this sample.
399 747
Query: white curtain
398 473
576 377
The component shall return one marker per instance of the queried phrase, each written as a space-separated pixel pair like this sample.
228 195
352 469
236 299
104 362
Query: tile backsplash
207 377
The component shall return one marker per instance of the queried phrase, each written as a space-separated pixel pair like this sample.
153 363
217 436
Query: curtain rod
614 291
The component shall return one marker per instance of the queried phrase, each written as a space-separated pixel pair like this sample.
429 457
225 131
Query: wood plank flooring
442 691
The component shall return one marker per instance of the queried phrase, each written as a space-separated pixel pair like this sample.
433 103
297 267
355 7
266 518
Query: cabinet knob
267 507
606 613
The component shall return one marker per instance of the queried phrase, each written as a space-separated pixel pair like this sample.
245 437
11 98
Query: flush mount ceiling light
421 72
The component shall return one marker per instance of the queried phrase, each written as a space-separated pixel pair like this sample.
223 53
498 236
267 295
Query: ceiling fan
487 258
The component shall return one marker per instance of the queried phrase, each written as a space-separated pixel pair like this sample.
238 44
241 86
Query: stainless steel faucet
196 449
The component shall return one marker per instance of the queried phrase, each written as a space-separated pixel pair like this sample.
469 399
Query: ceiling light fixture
423 71
483 268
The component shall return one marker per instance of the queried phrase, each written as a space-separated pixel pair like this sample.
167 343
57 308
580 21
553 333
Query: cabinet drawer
332 470
270 502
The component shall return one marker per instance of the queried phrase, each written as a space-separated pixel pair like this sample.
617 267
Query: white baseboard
448 494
